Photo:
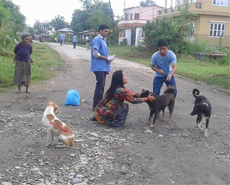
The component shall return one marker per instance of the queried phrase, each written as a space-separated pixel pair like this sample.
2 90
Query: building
212 22
134 19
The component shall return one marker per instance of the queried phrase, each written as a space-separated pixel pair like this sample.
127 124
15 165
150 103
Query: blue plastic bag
72 97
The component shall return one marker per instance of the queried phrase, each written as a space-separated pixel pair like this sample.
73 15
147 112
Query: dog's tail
195 93
170 89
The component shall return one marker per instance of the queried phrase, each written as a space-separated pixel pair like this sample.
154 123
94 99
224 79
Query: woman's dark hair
102 27
116 82
24 36
162 43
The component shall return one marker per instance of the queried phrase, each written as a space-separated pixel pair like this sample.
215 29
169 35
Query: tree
41 28
79 18
172 29
14 17
58 23
147 3
101 14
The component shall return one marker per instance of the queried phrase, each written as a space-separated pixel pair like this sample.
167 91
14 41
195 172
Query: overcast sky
46 10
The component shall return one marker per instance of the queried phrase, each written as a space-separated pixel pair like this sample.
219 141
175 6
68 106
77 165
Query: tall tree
101 14
40 27
79 18
58 22
16 19
147 3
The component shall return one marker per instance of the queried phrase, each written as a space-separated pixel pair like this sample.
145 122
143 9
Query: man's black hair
162 43
102 27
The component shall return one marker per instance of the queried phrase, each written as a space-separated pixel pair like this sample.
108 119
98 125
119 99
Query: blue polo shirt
163 62
102 48
61 36
74 38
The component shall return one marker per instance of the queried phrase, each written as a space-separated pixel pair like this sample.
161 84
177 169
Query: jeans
74 45
120 116
158 82
99 89
61 42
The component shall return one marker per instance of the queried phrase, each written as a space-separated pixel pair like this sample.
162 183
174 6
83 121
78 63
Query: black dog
160 103
202 107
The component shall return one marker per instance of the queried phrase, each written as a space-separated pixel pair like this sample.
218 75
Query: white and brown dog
56 127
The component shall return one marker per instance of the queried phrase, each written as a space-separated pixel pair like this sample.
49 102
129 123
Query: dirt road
134 155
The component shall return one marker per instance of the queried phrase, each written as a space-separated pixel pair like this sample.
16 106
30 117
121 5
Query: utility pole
166 4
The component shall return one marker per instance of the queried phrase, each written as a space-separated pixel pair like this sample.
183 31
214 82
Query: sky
46 10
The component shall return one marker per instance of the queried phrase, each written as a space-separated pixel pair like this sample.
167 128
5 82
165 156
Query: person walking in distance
87 42
100 62
74 41
61 38
163 62
22 61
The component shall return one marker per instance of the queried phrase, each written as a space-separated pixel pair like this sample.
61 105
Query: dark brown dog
202 108
160 103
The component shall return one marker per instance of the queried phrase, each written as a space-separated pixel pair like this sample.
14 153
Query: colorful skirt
22 72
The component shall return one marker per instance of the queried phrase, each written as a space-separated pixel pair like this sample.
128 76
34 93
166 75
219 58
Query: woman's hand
151 97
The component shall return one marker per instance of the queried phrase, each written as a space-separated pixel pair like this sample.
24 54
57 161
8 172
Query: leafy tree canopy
147 3
172 29
58 23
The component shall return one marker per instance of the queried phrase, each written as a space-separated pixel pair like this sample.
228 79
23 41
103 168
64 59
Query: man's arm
154 68
96 54
174 67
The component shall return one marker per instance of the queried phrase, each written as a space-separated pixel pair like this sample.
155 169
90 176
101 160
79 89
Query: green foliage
11 13
124 42
225 60
147 3
41 28
174 30
101 14
81 41
78 22
58 23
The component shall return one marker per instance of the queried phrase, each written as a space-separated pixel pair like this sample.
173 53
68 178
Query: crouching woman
112 110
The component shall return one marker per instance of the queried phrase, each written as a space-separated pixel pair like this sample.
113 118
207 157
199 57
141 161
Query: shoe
92 118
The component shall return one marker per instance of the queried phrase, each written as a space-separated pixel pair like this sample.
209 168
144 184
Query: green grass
47 63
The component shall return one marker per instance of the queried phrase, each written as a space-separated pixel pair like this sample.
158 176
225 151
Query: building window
191 32
131 16
217 29
136 16
220 2
126 16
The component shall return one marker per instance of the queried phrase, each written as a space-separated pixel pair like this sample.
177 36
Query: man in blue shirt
163 62
74 41
100 62
61 38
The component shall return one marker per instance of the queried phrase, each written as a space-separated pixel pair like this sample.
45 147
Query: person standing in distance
100 62
22 61
163 62
74 41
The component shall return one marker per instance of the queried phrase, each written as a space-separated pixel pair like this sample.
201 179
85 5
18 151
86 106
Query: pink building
134 19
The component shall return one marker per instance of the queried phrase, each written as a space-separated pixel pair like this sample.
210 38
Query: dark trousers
74 45
99 89
158 82
120 116
61 42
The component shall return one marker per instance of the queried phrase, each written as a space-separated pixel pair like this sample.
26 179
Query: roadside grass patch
46 64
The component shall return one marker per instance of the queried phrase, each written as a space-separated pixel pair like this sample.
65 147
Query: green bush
124 42
81 41
225 60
